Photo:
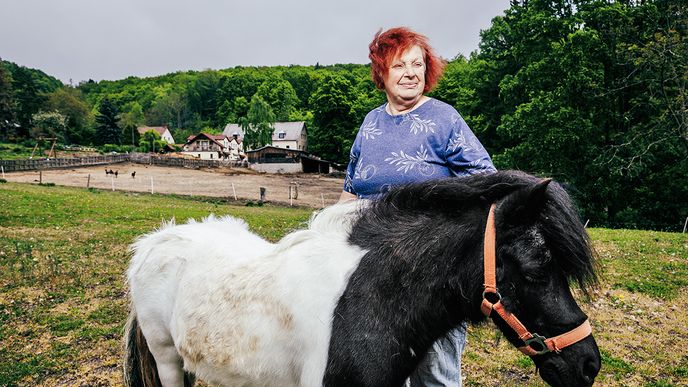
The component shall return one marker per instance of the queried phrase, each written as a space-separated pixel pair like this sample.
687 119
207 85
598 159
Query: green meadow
64 251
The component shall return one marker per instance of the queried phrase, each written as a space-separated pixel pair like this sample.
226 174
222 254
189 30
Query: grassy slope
62 304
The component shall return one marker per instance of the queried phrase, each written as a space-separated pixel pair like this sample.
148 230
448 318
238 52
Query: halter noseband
534 343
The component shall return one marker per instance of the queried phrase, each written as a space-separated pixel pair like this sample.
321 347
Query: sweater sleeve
465 154
351 168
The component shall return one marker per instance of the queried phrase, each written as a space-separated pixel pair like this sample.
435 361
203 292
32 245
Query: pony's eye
535 278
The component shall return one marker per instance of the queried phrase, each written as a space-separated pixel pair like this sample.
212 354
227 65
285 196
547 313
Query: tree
7 105
30 87
131 118
281 97
79 125
107 124
333 125
48 124
202 95
590 92
258 125
151 142
171 109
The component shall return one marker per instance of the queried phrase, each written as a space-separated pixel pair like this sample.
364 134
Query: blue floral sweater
430 142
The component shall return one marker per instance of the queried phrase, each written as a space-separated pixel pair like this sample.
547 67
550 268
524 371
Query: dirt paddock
313 190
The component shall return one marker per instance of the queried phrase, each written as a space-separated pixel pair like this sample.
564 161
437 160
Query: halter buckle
540 347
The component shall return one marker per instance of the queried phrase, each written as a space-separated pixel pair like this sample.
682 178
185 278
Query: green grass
649 262
612 364
14 151
63 254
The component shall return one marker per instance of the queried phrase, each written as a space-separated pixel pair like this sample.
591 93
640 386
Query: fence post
262 194
151 185
88 182
234 191
684 225
293 190
3 171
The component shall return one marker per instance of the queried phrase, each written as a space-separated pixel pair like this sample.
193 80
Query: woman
413 138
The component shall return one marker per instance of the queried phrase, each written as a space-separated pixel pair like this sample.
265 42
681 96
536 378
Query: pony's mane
561 226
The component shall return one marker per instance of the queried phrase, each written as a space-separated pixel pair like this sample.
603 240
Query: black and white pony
358 297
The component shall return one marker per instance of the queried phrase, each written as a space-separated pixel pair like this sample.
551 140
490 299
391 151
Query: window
287 146
281 135
205 145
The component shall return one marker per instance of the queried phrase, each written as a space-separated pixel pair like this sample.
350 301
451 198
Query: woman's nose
409 71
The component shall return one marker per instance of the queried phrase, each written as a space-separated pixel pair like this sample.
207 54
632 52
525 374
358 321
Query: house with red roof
214 147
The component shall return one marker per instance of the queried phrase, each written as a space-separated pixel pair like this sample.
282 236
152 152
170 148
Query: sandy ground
313 190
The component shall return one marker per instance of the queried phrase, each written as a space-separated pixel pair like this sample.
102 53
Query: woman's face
405 79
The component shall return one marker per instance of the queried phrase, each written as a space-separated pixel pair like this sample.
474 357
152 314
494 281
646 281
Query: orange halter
535 344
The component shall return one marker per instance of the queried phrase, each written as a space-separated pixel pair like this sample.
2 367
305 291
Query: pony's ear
525 204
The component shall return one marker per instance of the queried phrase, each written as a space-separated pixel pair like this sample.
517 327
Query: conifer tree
107 126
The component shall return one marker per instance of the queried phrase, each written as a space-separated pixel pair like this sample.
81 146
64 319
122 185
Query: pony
358 297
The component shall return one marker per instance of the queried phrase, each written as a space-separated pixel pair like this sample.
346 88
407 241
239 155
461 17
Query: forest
593 93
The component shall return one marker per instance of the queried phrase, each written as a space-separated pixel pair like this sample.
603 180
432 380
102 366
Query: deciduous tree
258 125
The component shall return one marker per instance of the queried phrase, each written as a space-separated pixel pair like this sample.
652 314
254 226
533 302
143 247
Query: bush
109 148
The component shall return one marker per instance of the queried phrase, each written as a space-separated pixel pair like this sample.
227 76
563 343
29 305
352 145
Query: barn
272 159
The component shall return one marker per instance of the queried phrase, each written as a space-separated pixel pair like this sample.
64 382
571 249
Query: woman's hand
346 196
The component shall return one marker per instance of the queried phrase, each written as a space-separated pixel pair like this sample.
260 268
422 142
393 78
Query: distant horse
358 297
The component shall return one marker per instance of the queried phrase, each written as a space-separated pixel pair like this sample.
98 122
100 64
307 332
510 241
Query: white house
214 147
287 135
164 133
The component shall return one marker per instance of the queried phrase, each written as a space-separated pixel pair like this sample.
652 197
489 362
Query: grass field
63 253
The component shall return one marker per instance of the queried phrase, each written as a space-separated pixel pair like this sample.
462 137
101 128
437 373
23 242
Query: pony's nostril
590 368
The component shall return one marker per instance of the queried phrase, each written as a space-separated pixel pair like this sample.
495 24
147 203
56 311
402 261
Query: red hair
388 45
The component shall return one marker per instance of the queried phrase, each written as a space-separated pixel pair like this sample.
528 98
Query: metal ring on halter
539 341
496 292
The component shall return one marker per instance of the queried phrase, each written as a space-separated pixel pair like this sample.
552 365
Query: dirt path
313 190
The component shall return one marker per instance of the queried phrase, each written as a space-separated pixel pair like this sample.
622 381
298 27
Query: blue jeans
441 366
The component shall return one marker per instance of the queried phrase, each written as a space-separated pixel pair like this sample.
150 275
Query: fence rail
145 158
41 164
139 158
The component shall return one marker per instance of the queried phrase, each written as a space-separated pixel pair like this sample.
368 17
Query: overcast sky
100 39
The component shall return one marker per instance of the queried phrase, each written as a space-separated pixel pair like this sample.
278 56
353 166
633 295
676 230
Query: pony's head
541 249
426 241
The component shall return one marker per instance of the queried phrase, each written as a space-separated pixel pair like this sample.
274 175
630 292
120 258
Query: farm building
272 159
287 135
164 133
214 147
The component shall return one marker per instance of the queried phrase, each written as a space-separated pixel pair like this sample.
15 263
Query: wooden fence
41 164
139 158
181 162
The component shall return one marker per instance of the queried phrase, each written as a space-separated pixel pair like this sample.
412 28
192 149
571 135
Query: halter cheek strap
534 343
